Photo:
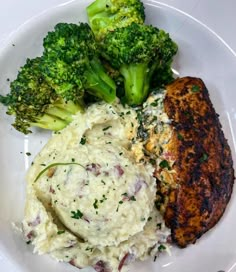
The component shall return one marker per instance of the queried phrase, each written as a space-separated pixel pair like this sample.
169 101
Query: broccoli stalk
71 64
34 103
96 80
139 52
106 15
137 77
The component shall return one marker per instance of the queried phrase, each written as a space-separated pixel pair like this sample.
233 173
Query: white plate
201 54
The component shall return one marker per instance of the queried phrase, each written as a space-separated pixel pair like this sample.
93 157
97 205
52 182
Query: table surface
219 16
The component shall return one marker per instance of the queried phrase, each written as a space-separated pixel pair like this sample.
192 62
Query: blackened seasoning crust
203 162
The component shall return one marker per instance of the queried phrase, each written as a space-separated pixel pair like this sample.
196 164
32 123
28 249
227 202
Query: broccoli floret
34 103
106 15
162 75
71 63
137 51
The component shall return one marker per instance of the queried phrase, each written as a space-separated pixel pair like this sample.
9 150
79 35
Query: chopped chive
53 165
106 128
60 232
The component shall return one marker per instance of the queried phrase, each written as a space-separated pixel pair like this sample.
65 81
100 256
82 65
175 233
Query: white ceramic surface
201 54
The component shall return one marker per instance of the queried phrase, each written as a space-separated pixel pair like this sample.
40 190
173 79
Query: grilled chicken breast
203 162
194 167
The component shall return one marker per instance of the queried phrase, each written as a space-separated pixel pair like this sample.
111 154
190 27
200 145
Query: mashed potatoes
88 202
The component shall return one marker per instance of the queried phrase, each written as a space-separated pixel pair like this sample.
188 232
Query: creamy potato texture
89 202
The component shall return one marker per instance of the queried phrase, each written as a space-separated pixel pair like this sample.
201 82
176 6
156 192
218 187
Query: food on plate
35 103
106 15
50 89
70 71
137 161
71 64
194 170
92 198
89 202
137 51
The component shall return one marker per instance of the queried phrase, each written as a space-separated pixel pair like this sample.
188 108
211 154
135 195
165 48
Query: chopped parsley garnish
154 104
203 158
83 141
121 202
28 153
106 128
89 249
159 226
139 117
132 198
73 160
102 181
195 89
143 219
125 194
180 137
95 204
60 232
152 161
149 218
164 164
161 248
154 119
157 204
77 215
28 242
103 199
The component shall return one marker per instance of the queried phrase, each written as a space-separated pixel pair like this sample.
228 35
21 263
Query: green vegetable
106 15
77 215
180 137
71 64
35 103
195 89
164 164
161 248
106 128
95 204
54 165
138 51
83 141
204 158
132 198
60 232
